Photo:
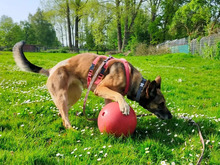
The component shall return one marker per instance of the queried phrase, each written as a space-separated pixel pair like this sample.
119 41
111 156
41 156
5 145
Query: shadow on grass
165 131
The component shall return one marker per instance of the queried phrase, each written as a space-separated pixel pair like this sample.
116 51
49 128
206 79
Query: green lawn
32 133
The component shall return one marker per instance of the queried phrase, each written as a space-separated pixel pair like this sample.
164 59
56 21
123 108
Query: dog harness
105 66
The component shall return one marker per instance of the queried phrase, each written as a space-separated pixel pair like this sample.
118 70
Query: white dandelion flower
58 154
163 163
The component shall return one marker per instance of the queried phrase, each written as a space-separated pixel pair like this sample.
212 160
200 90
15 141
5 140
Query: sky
18 10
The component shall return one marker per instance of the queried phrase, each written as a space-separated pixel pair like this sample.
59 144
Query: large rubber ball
112 121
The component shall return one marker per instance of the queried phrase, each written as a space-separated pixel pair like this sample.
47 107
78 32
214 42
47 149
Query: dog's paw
124 108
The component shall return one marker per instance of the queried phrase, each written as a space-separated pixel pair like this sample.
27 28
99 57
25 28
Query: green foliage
10 32
45 34
191 19
37 31
208 52
218 51
31 132
112 24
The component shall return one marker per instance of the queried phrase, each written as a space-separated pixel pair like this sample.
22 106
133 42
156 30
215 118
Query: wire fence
206 46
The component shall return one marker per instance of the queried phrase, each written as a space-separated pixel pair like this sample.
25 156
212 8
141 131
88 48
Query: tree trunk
119 26
68 24
126 33
127 28
77 33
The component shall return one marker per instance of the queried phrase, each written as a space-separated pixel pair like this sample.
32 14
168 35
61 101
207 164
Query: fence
204 46
176 46
206 43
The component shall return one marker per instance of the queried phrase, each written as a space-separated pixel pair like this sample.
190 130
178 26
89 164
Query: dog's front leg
109 94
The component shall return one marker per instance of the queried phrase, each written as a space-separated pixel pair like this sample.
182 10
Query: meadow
31 131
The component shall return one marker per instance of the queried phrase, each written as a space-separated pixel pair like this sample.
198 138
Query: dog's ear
151 90
158 81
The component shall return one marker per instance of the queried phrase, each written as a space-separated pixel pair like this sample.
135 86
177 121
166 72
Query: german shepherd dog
67 79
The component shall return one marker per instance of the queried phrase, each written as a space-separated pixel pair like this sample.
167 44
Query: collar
140 89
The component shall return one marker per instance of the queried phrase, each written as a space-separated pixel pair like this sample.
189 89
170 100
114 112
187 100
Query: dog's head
153 100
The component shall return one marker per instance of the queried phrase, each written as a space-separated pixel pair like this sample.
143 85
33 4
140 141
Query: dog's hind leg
64 93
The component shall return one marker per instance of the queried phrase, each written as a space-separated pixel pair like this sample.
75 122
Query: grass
32 133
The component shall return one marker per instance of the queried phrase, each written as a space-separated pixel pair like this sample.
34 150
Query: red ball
112 121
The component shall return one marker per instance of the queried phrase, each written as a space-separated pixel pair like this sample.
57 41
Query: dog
68 78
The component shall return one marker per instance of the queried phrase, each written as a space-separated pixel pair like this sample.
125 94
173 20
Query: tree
28 32
45 34
78 7
191 19
131 11
10 32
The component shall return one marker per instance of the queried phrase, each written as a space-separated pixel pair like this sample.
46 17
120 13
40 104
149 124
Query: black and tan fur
68 78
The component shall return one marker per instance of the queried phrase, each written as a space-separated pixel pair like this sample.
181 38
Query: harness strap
89 77
104 67
87 93
127 73
140 89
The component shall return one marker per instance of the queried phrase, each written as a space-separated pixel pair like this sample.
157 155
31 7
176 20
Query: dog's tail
22 61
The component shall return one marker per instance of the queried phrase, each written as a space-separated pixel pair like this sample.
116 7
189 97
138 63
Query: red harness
105 66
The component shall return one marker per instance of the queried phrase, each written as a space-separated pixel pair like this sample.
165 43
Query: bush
142 49
60 50
218 51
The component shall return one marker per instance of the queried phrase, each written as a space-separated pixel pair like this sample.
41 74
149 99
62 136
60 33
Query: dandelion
0 135
147 152
95 155
105 155
104 147
163 163
98 159
22 125
173 163
190 163
78 141
80 155
101 152
180 80
58 154
88 153
193 130
110 146
85 149
175 135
